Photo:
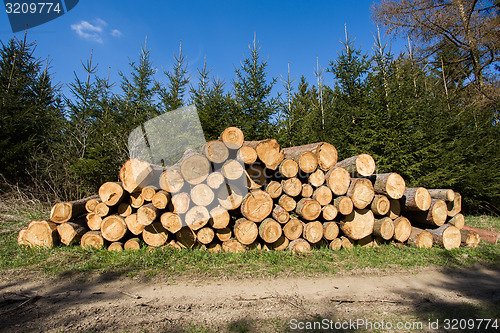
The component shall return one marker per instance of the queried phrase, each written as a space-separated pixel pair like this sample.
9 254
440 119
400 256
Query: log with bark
488 236
470 238
455 206
41 233
402 229
447 235
269 230
132 244
416 199
457 220
92 239
288 168
216 151
358 166
442 194
313 232
293 229
113 228
111 193
390 184
292 186
361 192
329 212
435 216
71 232
232 137
380 204
330 230
257 205
343 204
308 209
171 222
338 180
323 195
268 151
299 245
358 224
247 155
420 238
383 228
245 231
64 211
280 214
155 234
136 174
161 199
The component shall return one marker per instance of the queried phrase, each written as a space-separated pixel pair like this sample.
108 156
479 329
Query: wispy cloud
93 31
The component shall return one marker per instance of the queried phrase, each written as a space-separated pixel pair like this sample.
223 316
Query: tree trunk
113 228
132 244
313 232
358 224
380 205
307 191
155 235
257 205
383 228
305 158
91 204
446 235
233 246
116 246
329 212
64 211
335 244
442 194
420 238
435 216
402 229
171 222
92 239
247 155
202 195
330 230
292 186
470 238
361 192
270 230
457 220
293 229
94 221
486 235
41 234
347 243
326 155
161 199
147 214
70 232
232 137
219 218
274 189
299 245
111 193
455 206
416 199
223 234
343 204
289 168
216 151
148 192
171 180
390 184
205 235
245 231
133 226
268 151
215 180
338 180
281 244
135 199
180 202
186 237
317 178
197 217
136 174
394 209
358 166
194 167
232 169
280 214
308 209
323 195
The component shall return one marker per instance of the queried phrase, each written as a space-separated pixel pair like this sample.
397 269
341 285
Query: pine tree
172 97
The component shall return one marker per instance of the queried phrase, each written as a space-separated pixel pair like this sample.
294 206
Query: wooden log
147 214
326 155
155 234
180 202
232 137
383 228
111 193
232 169
358 166
446 235
41 233
435 216
113 228
91 204
488 236
343 204
132 244
335 244
171 180
288 168
416 199
365 242
442 194
171 222
347 243
116 246
257 205
70 232
317 178
205 235
323 195
275 189
470 238
223 234
402 229
92 239
329 212
215 180
124 209
380 204
94 221
233 246
308 209
268 151
197 217
247 155
455 206
148 192
133 226
338 180
255 176
307 191
219 218
394 209
202 195
293 229
305 158
245 231
230 197
135 199
161 199
313 232
358 224
186 238
299 245
270 230
280 214
457 220
330 230
64 211
292 186
136 174
288 203
390 184
361 192
281 244
420 238
21 237
216 151
194 167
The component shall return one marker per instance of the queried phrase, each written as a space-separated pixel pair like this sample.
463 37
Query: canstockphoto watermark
328 324
26 14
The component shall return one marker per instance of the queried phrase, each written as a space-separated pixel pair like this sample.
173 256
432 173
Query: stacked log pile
234 195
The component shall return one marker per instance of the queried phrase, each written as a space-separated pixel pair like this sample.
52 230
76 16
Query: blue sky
292 32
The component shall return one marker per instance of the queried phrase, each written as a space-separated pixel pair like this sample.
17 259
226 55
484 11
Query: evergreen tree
172 97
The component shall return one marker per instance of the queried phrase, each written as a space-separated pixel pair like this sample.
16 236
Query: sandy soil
111 303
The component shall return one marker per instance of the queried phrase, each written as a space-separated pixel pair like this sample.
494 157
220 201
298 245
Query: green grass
484 222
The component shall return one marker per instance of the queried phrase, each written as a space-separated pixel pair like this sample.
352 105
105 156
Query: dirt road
110 303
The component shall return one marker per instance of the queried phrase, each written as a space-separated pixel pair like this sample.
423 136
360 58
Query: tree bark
64 211
358 166
420 238
446 235
442 194
390 184
488 236
470 238
305 158
416 199
383 228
